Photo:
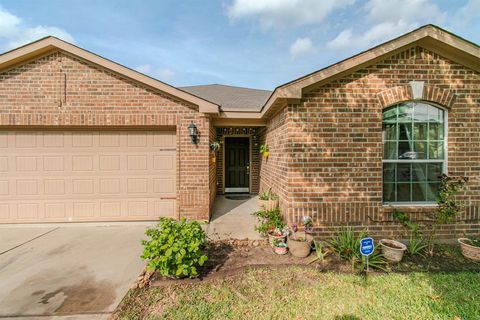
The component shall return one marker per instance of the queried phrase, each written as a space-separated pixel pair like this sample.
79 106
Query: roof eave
428 36
45 45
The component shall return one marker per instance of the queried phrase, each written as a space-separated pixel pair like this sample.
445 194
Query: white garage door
62 176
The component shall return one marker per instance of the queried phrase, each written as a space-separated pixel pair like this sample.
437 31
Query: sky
250 43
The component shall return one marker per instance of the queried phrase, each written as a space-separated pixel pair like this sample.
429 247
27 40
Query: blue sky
252 43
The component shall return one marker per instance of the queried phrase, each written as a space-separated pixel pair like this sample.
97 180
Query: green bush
268 220
175 248
347 246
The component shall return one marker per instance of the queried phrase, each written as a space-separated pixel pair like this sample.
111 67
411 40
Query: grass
300 293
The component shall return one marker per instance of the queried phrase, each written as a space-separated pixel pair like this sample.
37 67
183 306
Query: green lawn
299 293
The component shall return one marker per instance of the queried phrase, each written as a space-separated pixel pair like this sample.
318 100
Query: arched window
414 152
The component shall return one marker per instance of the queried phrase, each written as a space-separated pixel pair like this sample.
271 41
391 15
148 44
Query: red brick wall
335 148
212 168
59 90
274 169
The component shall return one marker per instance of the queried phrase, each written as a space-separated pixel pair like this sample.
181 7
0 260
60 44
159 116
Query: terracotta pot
469 251
300 249
263 204
272 237
393 250
280 250
271 205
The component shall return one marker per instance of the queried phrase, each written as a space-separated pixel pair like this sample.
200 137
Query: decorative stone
417 89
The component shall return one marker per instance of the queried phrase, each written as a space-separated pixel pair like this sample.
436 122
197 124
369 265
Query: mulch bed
231 258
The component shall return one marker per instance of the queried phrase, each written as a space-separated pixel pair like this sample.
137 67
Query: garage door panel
4 212
56 210
28 211
82 162
53 163
3 140
3 164
53 139
61 176
163 208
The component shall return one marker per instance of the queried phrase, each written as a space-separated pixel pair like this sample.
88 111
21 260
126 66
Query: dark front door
237 165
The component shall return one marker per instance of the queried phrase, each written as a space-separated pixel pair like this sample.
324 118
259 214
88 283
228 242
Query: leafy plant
320 252
215 146
474 241
264 195
264 150
416 246
448 208
268 220
404 219
346 246
279 243
175 247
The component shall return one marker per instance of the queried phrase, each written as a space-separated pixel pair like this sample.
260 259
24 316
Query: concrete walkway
232 219
75 271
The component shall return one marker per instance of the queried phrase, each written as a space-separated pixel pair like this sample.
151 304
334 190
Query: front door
237 165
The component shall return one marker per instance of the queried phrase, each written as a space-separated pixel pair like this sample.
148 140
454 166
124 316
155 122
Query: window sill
410 205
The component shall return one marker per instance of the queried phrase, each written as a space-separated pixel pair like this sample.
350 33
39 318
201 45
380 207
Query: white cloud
343 40
405 10
301 46
282 13
163 74
144 68
390 19
8 23
374 35
13 33
467 13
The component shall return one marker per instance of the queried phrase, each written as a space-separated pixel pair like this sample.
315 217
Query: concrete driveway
78 269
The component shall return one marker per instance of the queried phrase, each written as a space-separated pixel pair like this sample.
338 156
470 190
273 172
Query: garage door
61 176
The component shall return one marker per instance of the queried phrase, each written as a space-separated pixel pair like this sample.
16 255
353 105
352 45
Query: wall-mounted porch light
192 129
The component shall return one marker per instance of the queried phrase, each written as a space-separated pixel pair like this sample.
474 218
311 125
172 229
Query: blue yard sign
366 248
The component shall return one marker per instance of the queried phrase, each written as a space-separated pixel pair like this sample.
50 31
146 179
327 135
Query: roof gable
430 37
49 44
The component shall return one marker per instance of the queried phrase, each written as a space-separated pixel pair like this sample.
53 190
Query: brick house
85 139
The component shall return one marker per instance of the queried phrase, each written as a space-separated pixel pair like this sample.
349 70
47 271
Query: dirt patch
227 260
446 258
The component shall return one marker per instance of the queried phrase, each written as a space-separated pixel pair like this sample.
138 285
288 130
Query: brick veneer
60 90
275 168
329 165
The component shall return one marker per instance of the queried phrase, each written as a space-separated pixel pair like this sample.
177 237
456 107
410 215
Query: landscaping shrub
347 246
268 220
175 248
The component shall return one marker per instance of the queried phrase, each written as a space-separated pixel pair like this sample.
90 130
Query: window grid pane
413 135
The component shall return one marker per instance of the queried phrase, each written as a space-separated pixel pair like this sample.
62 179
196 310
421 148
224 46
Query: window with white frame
414 152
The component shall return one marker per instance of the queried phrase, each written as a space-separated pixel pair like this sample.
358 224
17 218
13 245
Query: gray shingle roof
231 98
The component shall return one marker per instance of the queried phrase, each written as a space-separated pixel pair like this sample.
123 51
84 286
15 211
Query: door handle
248 169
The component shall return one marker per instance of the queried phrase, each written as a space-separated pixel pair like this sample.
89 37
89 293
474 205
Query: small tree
448 207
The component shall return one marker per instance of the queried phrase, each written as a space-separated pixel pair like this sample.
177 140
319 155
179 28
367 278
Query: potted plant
392 250
272 202
300 245
470 247
263 198
215 146
280 247
277 234
264 150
